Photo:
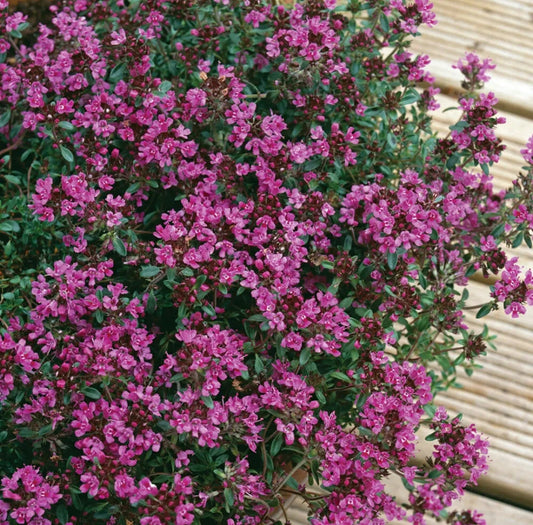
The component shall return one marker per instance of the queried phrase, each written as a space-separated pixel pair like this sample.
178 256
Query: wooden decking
499 397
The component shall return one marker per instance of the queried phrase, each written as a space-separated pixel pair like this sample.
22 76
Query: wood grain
496 29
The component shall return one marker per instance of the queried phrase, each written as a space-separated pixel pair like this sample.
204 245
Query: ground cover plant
233 252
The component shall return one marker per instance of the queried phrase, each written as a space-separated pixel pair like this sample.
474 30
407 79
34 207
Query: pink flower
293 340
90 484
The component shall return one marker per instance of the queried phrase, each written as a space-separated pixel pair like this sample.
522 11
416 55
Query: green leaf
67 126
431 437
119 246
346 302
460 359
91 392
498 230
321 398
392 260
9 226
518 240
132 188
305 355
276 445
459 126
411 96
4 119
341 376
430 410
347 243
149 271
43 431
230 498
62 513
209 310
164 86
151 303
117 73
259 366
25 432
407 485
484 310
208 401
12 179
328 265
257 317
66 153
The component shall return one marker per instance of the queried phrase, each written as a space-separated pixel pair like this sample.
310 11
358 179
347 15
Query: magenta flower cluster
246 247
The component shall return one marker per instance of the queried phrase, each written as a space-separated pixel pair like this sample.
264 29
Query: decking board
499 397
494 29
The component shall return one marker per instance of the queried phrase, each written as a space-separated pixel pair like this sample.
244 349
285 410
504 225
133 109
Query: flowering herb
232 249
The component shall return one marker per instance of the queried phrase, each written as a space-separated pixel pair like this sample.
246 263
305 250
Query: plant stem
297 467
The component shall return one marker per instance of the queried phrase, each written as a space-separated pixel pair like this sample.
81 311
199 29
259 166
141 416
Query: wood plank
471 25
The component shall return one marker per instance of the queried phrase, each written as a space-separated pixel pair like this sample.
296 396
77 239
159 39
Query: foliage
233 251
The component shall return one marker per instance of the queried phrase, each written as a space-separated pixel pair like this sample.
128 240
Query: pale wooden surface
497 29
499 397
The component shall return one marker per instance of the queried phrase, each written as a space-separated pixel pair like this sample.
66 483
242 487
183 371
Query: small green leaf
209 310
4 119
208 401
341 376
259 366
305 355
62 513
151 303
498 230
276 445
392 260
411 96
43 431
132 188
407 485
460 359
484 310
430 410
25 432
346 302
91 392
518 240
66 153
164 86
392 141
9 226
119 246
67 126
12 178
320 397
328 265
230 499
117 73
149 271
